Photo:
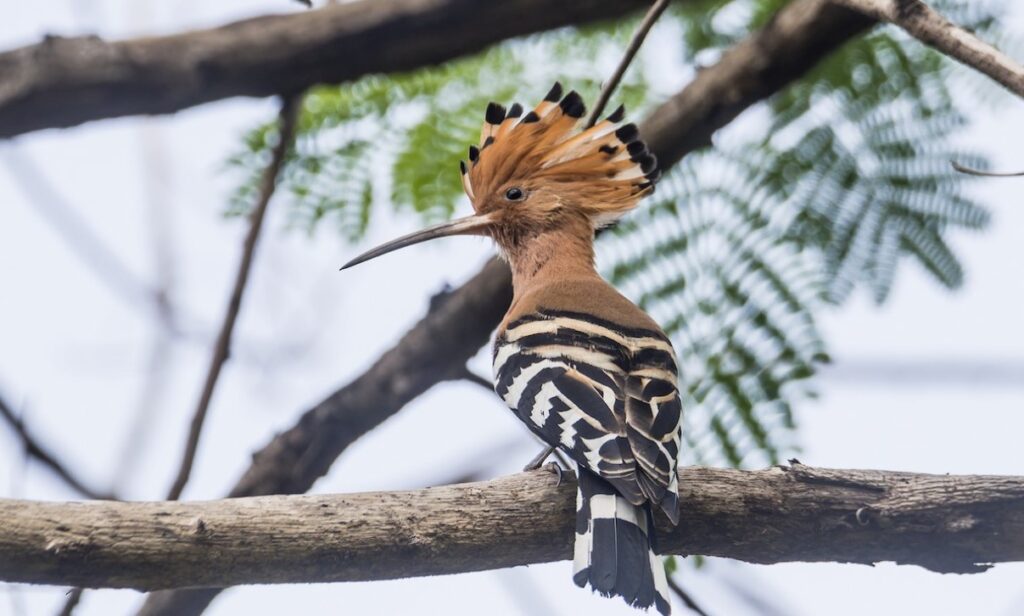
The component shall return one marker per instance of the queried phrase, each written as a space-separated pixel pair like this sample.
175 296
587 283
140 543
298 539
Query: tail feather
613 547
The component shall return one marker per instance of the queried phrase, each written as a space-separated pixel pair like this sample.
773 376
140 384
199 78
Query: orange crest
604 170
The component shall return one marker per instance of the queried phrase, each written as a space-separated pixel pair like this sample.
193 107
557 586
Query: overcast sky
912 388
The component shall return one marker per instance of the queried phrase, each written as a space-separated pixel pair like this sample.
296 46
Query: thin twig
685 597
76 233
473 377
652 16
286 133
74 596
984 174
40 453
160 218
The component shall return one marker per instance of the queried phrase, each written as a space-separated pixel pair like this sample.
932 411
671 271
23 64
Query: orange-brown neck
564 251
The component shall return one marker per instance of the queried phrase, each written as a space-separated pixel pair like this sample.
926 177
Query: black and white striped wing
575 381
653 428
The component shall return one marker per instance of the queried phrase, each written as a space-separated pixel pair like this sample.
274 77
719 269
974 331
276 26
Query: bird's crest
606 167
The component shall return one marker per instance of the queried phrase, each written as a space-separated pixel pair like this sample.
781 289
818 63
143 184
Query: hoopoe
583 367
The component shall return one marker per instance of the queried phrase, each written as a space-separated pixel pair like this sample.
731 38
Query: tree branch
35 449
653 13
76 233
64 82
950 524
985 174
803 33
222 347
931 28
685 597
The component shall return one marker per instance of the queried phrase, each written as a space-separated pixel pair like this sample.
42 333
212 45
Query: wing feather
614 409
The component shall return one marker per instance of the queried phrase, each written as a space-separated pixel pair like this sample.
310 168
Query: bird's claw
557 468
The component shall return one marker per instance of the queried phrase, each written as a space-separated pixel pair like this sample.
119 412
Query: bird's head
533 173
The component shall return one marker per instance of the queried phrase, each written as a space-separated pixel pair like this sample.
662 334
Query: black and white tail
613 547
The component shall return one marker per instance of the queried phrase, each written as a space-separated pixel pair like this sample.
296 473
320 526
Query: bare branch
985 174
931 28
34 449
635 42
222 348
685 597
74 597
473 377
945 523
76 233
804 32
64 82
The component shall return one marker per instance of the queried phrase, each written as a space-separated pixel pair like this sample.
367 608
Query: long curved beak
470 225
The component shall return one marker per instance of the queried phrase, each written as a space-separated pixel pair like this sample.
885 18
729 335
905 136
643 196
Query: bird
585 369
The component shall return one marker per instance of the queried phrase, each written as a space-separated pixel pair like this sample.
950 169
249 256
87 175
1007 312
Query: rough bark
953 524
802 34
932 28
63 82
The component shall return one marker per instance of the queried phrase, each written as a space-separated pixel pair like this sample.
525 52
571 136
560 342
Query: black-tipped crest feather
554 93
495 113
628 133
572 105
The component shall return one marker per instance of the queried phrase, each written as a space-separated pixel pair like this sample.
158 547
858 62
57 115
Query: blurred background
841 295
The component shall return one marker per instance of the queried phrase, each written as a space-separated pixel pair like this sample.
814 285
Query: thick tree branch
64 82
931 28
802 34
955 524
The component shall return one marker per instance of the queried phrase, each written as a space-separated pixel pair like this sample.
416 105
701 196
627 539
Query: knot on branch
198 528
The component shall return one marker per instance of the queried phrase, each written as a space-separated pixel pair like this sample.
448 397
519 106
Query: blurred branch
34 449
944 523
62 82
160 217
635 42
473 377
800 35
685 597
222 348
931 28
89 248
937 371
74 597
985 174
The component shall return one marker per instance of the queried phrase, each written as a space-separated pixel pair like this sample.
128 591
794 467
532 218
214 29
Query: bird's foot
556 468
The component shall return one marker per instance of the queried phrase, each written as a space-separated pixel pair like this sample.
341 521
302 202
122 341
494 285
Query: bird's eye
514 194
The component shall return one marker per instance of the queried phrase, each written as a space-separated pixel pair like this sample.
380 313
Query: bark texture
950 524
63 82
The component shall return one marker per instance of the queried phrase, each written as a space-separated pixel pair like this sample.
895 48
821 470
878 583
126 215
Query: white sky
74 356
